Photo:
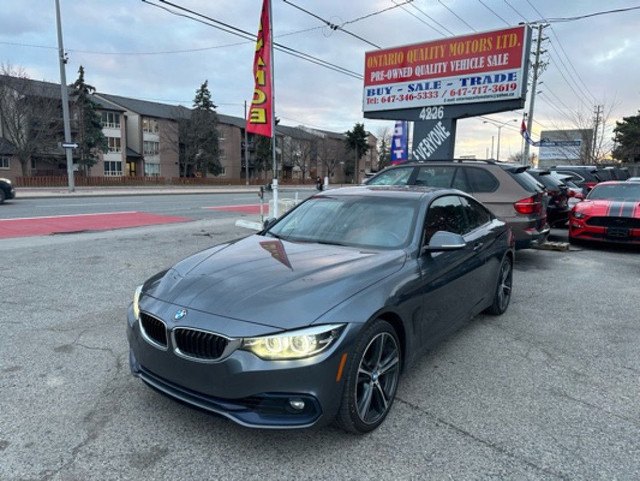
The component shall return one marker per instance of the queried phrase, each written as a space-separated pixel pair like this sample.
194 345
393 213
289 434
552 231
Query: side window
398 176
437 176
481 180
477 214
460 181
445 213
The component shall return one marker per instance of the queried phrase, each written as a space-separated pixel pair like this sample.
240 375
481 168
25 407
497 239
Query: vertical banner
399 150
261 111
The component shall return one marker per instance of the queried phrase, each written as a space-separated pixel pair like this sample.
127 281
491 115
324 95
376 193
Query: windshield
374 222
621 191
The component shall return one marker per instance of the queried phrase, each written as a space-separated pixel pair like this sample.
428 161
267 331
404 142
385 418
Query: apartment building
143 140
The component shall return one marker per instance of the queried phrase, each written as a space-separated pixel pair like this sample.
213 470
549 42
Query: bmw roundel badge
178 316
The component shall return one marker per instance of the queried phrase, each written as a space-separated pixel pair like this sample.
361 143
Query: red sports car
609 213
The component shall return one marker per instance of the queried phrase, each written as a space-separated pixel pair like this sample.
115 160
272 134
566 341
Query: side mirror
445 241
269 222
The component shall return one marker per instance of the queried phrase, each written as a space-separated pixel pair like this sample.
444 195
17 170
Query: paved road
547 391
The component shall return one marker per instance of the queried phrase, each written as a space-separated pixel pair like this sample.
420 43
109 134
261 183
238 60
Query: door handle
477 246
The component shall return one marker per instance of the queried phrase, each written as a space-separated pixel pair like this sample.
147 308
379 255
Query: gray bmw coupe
315 318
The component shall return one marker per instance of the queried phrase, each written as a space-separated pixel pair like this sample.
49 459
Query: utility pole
594 139
534 87
65 102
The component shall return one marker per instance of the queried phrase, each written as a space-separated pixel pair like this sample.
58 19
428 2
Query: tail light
590 185
571 193
530 205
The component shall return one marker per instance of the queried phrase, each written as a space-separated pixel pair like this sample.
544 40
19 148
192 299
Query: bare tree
384 147
330 153
30 115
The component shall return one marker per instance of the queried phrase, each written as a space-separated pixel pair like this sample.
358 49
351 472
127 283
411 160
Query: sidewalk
45 192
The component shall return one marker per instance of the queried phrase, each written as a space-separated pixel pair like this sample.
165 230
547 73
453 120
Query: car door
481 235
447 277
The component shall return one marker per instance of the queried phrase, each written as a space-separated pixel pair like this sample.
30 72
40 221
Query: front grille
153 329
627 222
199 344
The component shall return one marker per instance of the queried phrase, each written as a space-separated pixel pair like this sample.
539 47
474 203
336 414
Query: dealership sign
483 67
560 149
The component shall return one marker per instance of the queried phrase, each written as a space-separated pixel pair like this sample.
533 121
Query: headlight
294 344
579 215
136 302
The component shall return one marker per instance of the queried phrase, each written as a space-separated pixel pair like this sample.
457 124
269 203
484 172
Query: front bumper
242 387
578 229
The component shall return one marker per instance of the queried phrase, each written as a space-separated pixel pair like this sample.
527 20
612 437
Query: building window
112 168
110 120
223 171
149 125
4 163
114 144
151 170
151 148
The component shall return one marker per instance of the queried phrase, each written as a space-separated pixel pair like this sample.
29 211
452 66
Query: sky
140 49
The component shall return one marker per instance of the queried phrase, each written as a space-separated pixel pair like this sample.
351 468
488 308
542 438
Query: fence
82 181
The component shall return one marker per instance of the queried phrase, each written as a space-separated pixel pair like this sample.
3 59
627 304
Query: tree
356 143
299 152
30 115
330 153
199 136
627 139
384 147
89 137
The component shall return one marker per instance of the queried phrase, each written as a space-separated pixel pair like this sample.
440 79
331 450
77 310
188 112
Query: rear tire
372 379
502 294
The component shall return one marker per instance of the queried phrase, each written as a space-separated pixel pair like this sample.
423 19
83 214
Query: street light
499 125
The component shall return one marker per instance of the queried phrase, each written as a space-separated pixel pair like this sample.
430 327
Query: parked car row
507 190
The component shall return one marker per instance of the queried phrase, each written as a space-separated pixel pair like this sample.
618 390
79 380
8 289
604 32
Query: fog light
296 403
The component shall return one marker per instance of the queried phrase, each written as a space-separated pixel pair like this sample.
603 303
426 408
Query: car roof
399 191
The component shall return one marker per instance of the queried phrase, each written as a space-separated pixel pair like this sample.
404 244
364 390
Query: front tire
372 379
502 294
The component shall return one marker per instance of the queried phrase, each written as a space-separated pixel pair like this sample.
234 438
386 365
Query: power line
590 15
211 22
456 15
432 19
439 32
332 26
376 13
494 12
516 10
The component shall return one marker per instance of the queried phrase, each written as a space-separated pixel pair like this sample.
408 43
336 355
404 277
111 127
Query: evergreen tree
199 134
90 138
357 144
627 138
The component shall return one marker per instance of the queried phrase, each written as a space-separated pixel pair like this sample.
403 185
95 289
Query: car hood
609 208
267 281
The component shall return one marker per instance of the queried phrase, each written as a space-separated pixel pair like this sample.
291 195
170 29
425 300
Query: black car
557 196
584 176
7 191
315 318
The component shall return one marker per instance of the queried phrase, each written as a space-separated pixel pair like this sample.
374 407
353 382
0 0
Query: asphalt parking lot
550 390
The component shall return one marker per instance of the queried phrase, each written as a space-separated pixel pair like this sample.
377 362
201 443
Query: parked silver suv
506 189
